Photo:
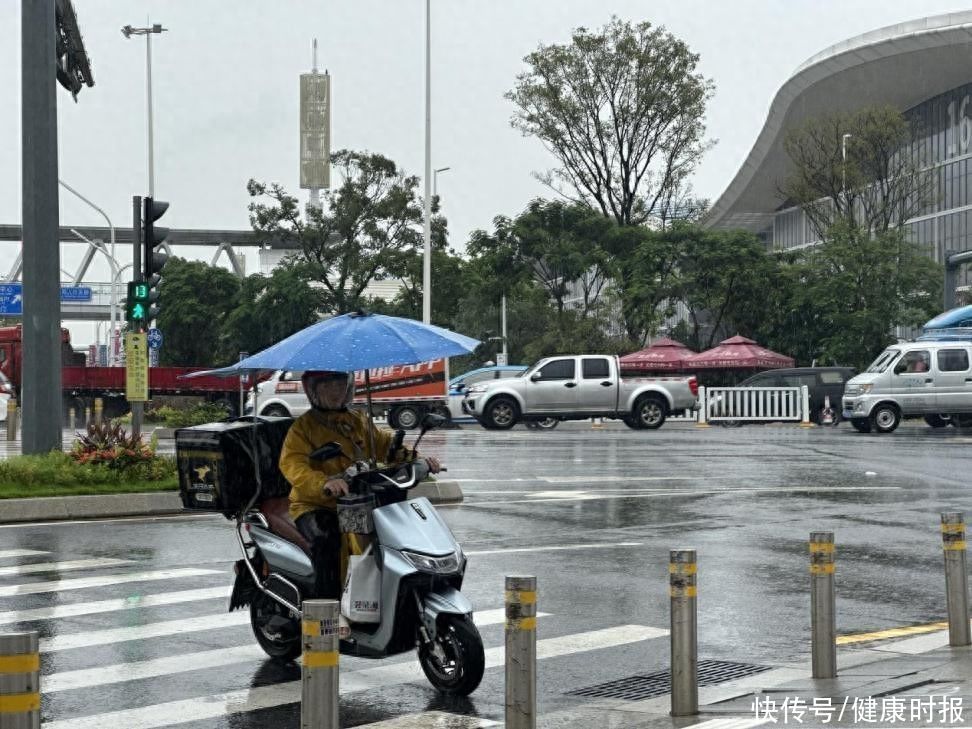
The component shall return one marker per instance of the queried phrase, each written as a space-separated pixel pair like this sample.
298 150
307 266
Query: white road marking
107 606
432 720
80 583
557 548
592 496
112 520
20 553
265 697
70 641
76 564
737 722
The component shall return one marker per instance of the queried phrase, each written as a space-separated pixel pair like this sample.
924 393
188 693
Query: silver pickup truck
576 388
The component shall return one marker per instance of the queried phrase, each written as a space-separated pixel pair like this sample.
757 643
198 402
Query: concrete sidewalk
893 684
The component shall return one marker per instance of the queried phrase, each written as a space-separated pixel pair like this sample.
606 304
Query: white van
932 379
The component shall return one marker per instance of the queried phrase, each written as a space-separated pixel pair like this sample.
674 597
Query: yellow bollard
12 419
320 664
521 652
87 417
98 409
71 418
20 680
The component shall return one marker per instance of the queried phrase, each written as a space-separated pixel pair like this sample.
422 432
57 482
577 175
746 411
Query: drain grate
636 688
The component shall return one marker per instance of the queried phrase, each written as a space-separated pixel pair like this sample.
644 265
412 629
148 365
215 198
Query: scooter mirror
326 452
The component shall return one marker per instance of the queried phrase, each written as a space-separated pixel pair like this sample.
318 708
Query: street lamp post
427 233
128 31
113 262
435 180
843 165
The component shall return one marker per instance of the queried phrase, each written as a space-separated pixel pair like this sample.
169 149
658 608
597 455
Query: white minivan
930 379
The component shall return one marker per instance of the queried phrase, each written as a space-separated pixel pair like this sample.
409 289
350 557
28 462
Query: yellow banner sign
136 367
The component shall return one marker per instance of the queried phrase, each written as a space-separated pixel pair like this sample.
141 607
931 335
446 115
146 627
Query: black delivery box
216 463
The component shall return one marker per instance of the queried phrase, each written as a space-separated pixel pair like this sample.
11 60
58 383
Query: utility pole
41 386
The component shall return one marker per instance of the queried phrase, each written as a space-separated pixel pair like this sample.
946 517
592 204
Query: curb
61 508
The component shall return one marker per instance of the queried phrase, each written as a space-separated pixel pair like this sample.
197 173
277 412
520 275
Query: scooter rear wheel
277 633
455 665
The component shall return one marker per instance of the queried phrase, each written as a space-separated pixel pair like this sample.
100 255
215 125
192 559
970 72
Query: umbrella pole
371 419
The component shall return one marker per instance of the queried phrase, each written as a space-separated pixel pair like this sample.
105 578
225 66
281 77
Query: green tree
723 279
622 110
362 233
879 186
858 286
269 309
195 301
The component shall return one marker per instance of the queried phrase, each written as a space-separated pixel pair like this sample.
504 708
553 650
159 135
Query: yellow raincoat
310 431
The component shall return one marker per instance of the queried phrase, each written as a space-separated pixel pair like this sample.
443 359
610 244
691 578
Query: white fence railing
754 404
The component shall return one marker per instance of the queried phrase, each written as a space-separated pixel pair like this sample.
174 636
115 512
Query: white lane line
170 665
75 564
20 553
64 522
683 493
80 583
107 606
737 722
266 697
558 548
432 720
608 479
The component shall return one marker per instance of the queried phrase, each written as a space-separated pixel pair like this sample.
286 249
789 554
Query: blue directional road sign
12 299
75 293
154 339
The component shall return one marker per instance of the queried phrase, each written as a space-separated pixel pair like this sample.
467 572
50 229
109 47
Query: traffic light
155 258
137 303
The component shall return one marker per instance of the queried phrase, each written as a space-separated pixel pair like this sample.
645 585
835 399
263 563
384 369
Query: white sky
225 79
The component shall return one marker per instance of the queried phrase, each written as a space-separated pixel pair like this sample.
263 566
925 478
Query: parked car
459 384
577 388
6 392
929 379
821 382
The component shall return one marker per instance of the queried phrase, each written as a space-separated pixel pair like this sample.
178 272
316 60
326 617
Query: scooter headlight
447 565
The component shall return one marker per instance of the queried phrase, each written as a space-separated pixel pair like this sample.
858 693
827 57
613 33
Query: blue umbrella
350 342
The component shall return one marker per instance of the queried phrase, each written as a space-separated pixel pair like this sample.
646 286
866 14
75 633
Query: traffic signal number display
137 304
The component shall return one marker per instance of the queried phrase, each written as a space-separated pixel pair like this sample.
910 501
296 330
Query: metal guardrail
754 404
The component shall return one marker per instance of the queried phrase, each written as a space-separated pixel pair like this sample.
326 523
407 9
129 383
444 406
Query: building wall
944 126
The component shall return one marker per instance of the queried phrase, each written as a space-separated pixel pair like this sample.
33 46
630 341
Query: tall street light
843 166
435 179
128 31
427 233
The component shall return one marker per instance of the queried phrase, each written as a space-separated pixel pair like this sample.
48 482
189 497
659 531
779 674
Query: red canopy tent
739 353
663 354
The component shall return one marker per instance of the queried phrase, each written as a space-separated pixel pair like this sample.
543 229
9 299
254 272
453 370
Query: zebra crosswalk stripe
106 606
432 720
158 667
5 553
265 697
80 583
75 564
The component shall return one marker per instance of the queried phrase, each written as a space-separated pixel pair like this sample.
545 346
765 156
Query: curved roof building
922 67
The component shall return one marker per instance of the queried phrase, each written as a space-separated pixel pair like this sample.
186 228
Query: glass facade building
944 130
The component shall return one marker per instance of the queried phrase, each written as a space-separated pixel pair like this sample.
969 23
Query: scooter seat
277 512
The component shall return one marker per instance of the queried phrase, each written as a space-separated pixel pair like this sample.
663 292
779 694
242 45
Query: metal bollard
956 579
319 670
71 418
521 652
701 420
20 681
12 419
805 408
682 590
823 605
98 409
87 417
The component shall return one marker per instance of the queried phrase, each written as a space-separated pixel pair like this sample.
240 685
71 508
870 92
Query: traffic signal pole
137 406
41 390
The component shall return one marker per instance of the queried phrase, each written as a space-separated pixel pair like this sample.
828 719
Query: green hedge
57 474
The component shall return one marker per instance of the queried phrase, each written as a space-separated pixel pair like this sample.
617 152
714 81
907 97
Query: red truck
81 384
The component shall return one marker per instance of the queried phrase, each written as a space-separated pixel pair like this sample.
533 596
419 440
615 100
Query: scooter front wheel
455 662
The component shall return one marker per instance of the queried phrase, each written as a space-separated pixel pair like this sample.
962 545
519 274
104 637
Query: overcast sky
225 79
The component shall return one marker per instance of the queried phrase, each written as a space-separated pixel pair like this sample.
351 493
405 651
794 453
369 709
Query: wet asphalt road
592 513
